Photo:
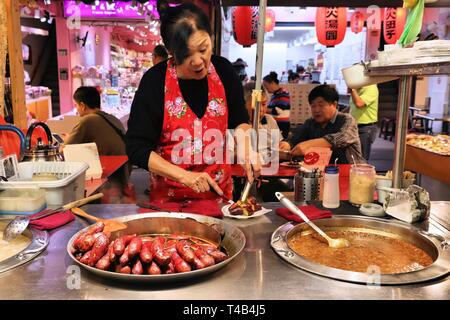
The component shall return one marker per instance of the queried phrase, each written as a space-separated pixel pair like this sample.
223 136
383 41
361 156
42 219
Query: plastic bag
413 24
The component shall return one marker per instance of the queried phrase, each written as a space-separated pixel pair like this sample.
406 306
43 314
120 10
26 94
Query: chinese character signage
394 23
331 24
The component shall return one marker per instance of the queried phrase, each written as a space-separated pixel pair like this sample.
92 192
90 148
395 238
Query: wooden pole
16 63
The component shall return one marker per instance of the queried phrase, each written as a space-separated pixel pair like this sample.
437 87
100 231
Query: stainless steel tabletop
257 273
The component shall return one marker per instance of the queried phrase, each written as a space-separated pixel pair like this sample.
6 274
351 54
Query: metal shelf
420 69
405 73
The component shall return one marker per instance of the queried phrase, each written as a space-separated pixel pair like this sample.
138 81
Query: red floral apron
183 139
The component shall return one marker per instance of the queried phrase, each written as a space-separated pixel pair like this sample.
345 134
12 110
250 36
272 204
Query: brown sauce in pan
366 250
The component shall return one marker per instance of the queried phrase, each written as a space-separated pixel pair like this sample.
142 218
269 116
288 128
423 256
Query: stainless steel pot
38 242
233 241
435 246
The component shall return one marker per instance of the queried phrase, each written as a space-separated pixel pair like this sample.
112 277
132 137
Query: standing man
364 108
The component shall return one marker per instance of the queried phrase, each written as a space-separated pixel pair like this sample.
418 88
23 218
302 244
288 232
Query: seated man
95 125
108 133
327 128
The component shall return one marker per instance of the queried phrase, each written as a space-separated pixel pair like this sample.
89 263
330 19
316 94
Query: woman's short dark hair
160 51
89 96
272 77
328 93
293 76
178 24
300 69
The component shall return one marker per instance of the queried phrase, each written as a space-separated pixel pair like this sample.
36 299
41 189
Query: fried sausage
87 242
179 264
112 255
86 258
121 242
218 256
134 248
146 253
137 267
95 228
185 251
126 270
170 246
153 269
161 257
124 258
169 269
205 258
198 264
104 263
99 249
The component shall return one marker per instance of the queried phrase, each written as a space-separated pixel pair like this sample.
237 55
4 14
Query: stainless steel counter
257 273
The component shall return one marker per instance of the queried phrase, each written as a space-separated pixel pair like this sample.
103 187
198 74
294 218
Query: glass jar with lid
362 184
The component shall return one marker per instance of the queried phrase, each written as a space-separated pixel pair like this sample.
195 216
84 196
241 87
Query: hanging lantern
394 23
357 21
270 20
245 25
331 24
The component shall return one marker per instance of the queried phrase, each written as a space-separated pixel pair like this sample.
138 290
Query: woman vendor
192 92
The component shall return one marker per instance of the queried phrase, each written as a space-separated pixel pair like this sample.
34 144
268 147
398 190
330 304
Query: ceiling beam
321 3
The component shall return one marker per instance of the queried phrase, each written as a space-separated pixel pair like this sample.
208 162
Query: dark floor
381 157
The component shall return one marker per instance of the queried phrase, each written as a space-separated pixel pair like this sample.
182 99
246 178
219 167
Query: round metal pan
233 241
433 245
39 241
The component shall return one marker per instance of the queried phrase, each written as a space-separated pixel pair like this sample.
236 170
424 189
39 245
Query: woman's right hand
200 182
284 146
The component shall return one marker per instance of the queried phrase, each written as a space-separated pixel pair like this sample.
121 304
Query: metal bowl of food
22 249
381 252
212 230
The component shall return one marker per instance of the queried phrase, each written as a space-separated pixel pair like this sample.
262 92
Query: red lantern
331 24
357 21
270 20
245 25
394 23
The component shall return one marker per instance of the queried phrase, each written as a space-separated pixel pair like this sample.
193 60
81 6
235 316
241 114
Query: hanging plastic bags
413 24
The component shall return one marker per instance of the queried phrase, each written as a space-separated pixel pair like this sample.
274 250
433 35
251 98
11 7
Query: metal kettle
41 152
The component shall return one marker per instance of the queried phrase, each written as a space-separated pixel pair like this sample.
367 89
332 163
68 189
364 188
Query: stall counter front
428 163
257 273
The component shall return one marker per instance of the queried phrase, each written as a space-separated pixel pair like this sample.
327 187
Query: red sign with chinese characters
394 23
331 24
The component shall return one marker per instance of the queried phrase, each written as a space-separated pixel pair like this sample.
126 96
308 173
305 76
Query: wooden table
110 164
428 163
436 117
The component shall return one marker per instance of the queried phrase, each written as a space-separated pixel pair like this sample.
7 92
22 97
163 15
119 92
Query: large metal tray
436 246
233 241
39 241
